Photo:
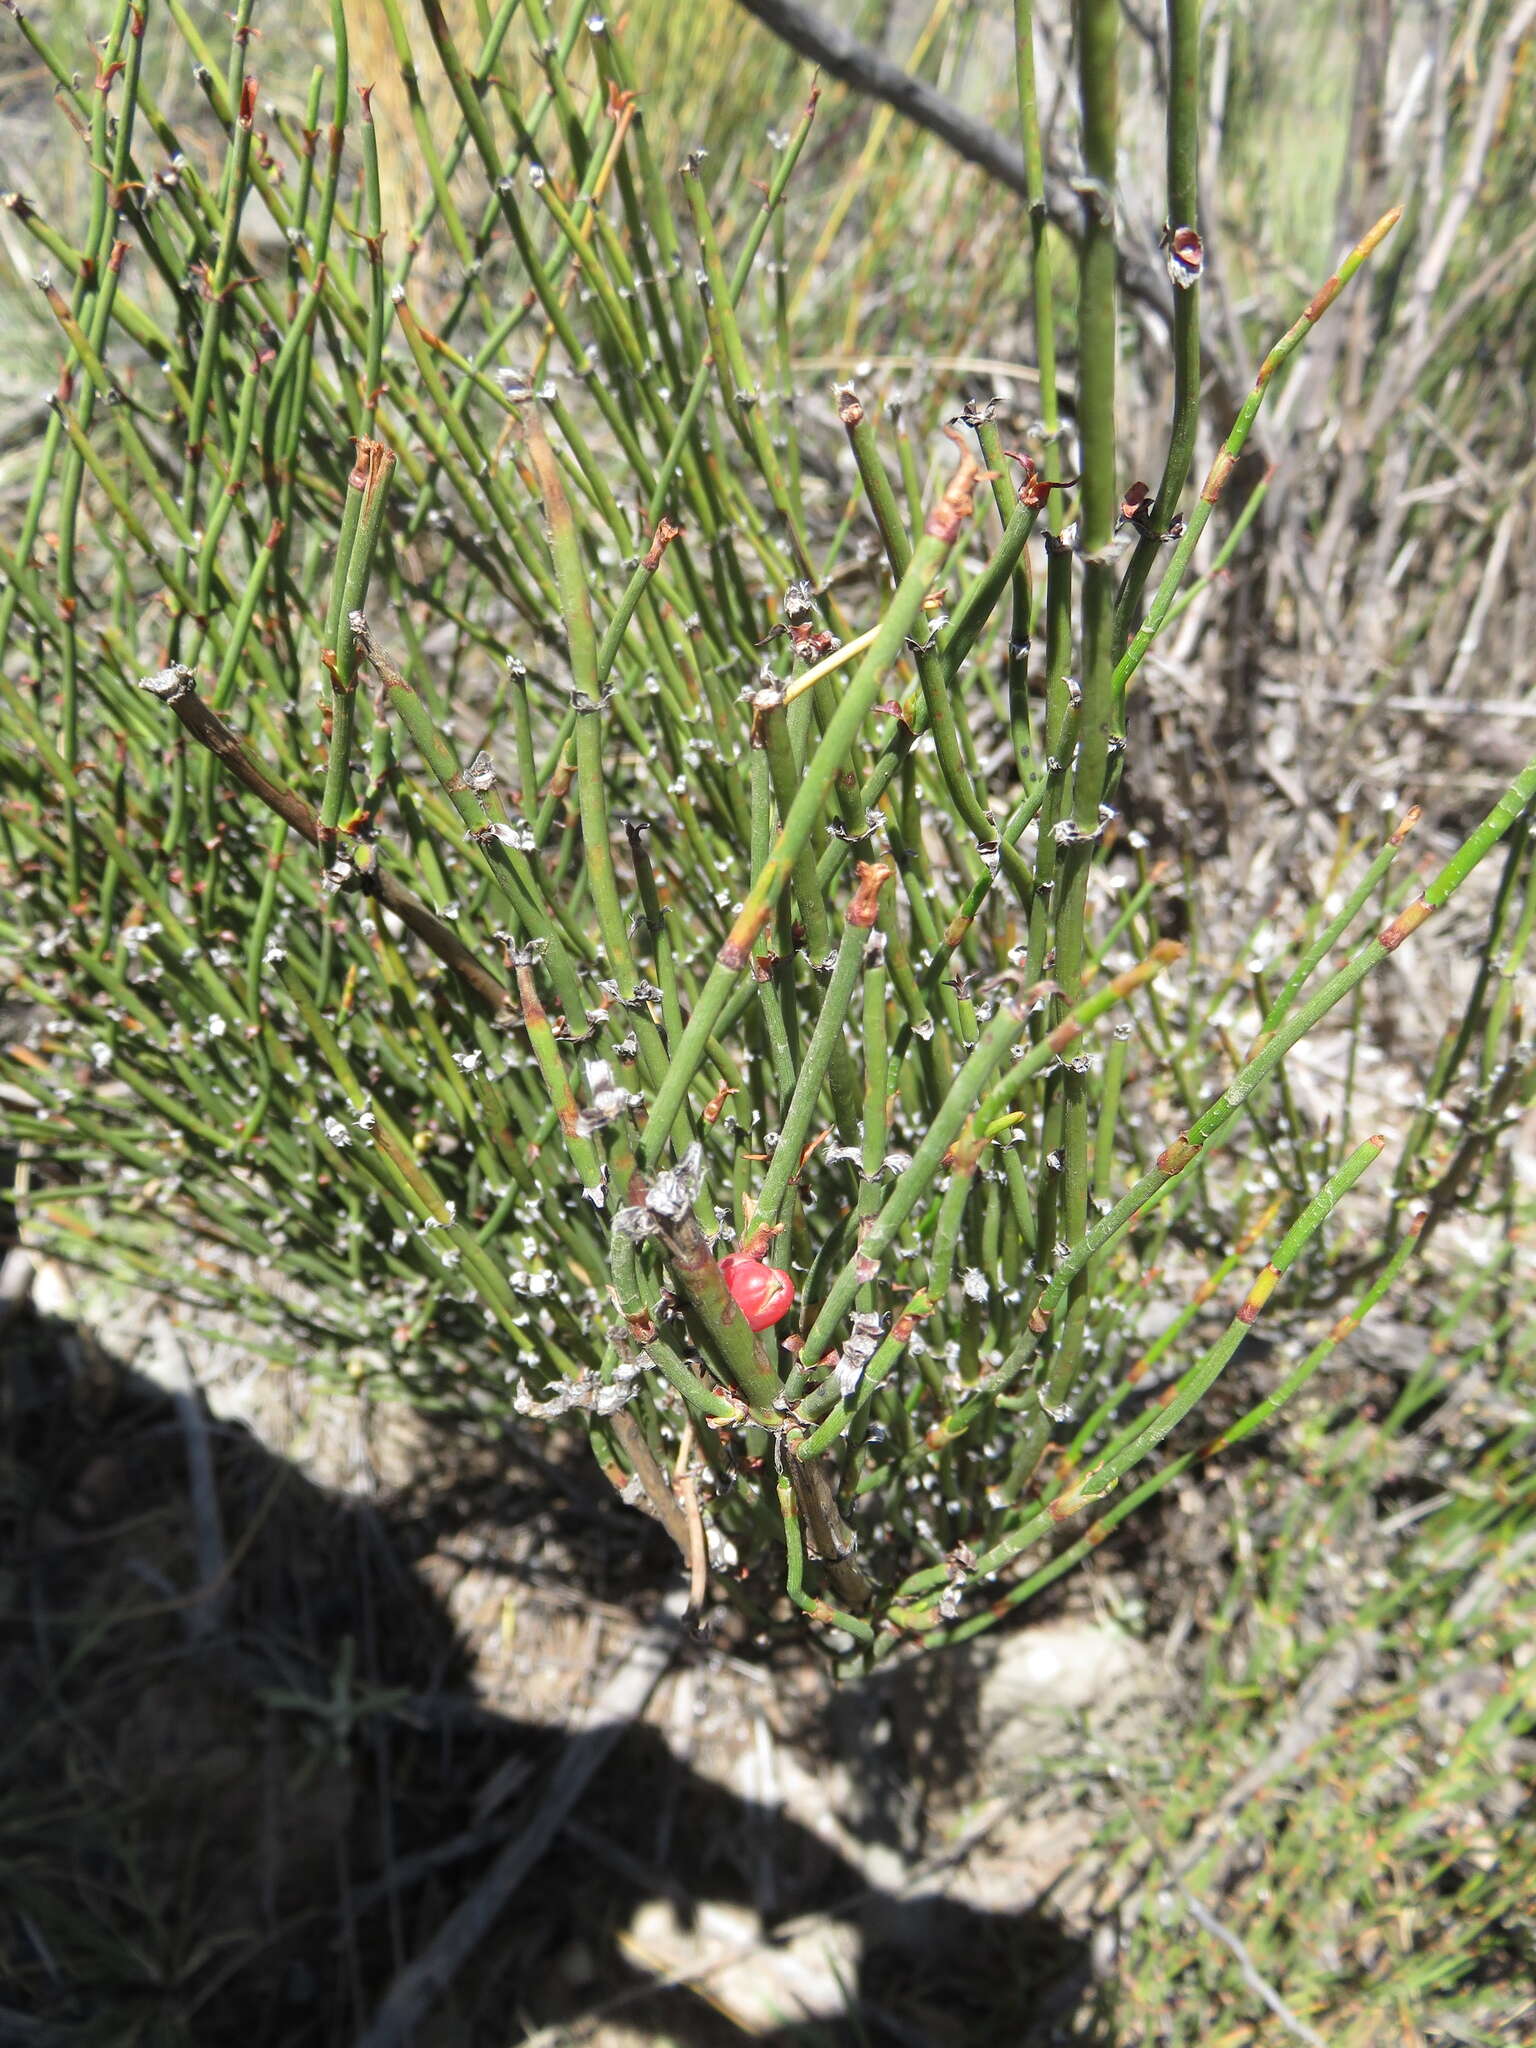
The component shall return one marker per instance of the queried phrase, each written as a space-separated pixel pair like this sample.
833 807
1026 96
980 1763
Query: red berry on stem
764 1294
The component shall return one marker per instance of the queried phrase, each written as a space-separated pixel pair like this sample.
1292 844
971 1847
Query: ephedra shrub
544 905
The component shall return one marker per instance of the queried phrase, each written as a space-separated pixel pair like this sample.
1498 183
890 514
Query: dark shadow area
239 1800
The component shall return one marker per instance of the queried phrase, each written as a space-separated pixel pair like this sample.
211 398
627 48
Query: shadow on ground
247 1785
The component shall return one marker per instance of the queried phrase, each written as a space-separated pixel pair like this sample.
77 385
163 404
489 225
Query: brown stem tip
959 499
873 875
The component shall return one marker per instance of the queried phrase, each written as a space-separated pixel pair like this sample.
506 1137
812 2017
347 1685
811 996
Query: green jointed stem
496 843
831 1026
772 729
1185 260
241 105
1166 1475
581 643
373 243
738 385
820 772
1040 267
969 1087
1078 830
936 675
1335 929
1232 448
551 1065
1177 1159
1145 1435
1232 540
362 523
413 1183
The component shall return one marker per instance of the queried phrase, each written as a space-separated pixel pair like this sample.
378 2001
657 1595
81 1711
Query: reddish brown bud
1184 254
666 532
1136 506
1035 488
959 499
1221 469
1409 819
1392 936
1177 1156
372 463
873 875
738 946
717 1102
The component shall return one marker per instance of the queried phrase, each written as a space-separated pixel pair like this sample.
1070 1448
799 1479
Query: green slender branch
1145 1435
1186 259
1227 457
